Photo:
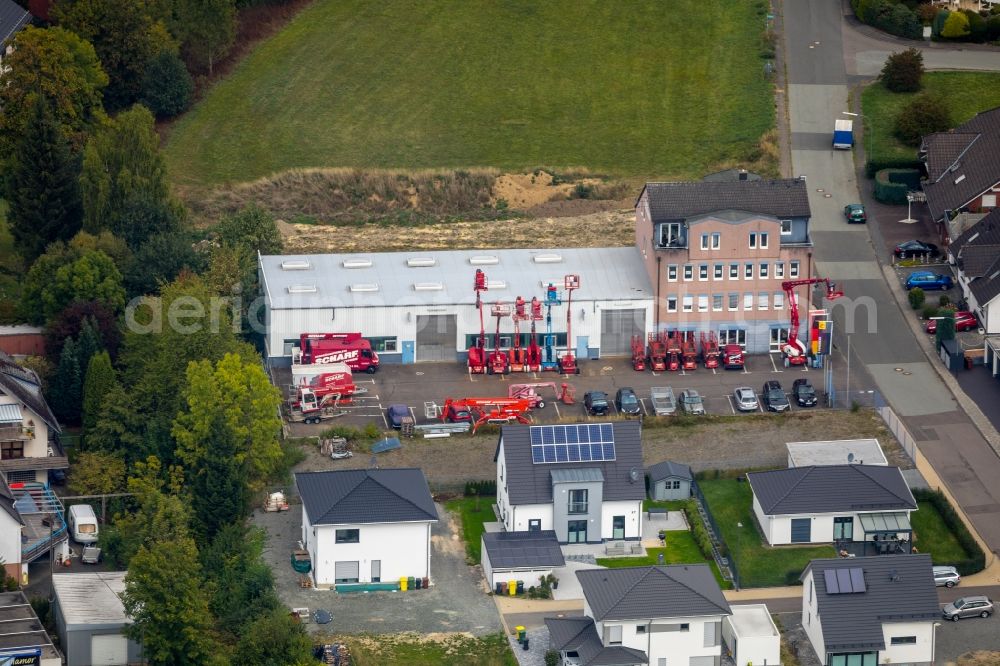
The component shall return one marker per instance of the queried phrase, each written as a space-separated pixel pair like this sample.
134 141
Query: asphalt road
821 52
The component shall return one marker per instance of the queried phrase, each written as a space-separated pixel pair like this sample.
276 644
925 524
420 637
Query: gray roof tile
636 593
13 17
366 496
580 635
829 488
669 469
681 200
948 162
530 483
984 232
898 588
522 550
23 384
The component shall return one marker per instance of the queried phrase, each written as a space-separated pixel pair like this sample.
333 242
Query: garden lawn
418 650
933 535
472 522
731 502
680 549
647 90
966 93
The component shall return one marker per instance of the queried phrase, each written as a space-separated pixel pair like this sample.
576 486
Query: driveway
456 602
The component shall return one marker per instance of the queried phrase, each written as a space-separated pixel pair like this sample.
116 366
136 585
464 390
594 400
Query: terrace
44 519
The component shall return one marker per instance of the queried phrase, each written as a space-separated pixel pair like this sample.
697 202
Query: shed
669 481
751 635
836 452
91 620
523 556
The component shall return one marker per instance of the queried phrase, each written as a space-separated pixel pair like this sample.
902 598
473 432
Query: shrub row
698 529
891 185
976 558
480 488
893 17
873 166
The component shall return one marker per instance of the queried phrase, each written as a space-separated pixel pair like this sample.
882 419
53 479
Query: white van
83 523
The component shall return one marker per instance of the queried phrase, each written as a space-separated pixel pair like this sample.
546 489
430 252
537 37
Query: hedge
891 185
480 488
874 166
976 560
698 529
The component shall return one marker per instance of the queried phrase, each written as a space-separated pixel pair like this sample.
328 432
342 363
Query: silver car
746 399
968 607
691 402
946 576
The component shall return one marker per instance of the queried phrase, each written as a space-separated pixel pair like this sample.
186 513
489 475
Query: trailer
662 399
843 134
532 393
294 414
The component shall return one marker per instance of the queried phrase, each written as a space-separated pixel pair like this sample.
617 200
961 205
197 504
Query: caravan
83 523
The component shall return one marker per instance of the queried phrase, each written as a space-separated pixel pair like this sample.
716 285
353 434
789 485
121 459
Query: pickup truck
663 400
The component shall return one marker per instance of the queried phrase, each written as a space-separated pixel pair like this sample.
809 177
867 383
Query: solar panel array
582 442
844 581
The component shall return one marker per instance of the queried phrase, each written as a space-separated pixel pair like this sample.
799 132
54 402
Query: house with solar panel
871 610
863 509
584 481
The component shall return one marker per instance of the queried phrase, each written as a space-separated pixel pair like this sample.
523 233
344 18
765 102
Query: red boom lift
674 351
792 349
497 363
533 362
710 350
489 410
567 363
638 354
657 351
690 353
477 352
518 354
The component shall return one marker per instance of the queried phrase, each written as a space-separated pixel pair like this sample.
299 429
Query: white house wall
520 515
765 521
530 577
402 548
503 496
675 646
920 652
810 616
751 649
780 532
36 447
10 544
631 509
991 316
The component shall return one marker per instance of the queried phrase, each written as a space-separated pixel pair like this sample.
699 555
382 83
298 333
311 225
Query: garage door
801 530
109 650
436 335
346 572
617 329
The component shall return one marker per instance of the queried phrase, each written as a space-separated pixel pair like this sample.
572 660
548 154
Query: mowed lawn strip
680 549
641 89
933 536
474 512
731 503
966 93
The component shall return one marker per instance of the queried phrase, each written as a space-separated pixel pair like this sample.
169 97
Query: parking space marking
556 405
642 406
771 357
381 411
729 398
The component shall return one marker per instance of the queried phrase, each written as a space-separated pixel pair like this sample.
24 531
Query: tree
206 30
252 230
242 581
903 71
96 473
901 20
141 218
956 26
945 326
64 393
88 344
122 165
119 428
924 115
42 186
62 68
99 381
274 639
68 324
167 87
92 277
161 259
977 26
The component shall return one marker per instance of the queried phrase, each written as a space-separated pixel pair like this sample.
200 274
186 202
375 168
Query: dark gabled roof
669 469
987 287
898 588
580 635
23 384
673 202
977 260
13 17
961 167
530 483
635 593
7 501
984 232
366 496
730 175
523 550
831 488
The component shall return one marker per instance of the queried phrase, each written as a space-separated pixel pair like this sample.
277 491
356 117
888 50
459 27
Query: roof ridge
626 592
863 469
807 471
368 475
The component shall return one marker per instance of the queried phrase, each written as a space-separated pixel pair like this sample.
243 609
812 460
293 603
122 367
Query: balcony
577 507
16 433
43 515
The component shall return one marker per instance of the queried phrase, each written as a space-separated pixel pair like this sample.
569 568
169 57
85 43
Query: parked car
946 576
596 403
804 393
745 399
774 397
627 402
395 415
57 477
968 607
928 280
691 402
964 321
855 213
915 248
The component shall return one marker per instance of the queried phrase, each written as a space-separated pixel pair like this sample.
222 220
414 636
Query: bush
551 658
926 114
894 17
892 185
937 25
698 529
993 27
927 12
873 166
903 71
977 26
976 560
928 312
167 87
956 26
943 300
480 488
916 296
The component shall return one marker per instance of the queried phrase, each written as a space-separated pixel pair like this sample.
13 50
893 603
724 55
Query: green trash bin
410 583
521 633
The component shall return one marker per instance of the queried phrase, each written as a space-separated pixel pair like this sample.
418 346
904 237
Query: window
703 272
704 241
753 241
763 240
734 302
717 237
640 628
793 269
535 525
716 302
713 634
688 303
578 501
670 235
672 273
718 272
348 536
674 485
786 227
810 591
779 269
762 300
843 528
989 201
779 300
852 659
748 271
748 301
384 344
734 271
763 271
732 336
903 640
661 661
671 304
613 634
688 271
12 450
703 303
672 627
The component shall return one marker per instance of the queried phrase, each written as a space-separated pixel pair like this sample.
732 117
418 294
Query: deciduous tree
97 473
206 30
167 87
274 639
924 115
92 277
159 260
252 230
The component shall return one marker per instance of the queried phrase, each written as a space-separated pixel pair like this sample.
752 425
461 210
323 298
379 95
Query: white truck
663 400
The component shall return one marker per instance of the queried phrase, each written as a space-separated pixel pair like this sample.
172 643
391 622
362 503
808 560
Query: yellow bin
402 583
512 586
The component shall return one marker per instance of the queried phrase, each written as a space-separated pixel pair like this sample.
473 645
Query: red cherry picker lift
477 352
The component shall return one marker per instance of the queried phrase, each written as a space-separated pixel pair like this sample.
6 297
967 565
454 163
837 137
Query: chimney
743 174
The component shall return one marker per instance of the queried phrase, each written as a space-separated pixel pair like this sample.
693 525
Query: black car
774 397
804 393
627 402
596 403
915 248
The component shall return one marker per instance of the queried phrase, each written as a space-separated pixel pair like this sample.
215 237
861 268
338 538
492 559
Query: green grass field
648 90
474 512
680 549
933 535
731 503
967 94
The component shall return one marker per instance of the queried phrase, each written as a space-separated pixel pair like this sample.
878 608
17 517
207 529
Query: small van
83 523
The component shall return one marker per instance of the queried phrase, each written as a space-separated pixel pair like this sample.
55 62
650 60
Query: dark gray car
774 397
627 402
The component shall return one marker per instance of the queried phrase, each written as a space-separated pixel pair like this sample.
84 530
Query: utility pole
848 391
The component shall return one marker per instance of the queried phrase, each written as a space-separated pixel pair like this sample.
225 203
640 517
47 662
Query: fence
727 566
899 430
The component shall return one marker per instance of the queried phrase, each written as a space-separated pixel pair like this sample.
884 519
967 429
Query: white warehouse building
421 305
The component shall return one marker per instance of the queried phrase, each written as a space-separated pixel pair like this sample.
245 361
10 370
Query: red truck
349 348
732 357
